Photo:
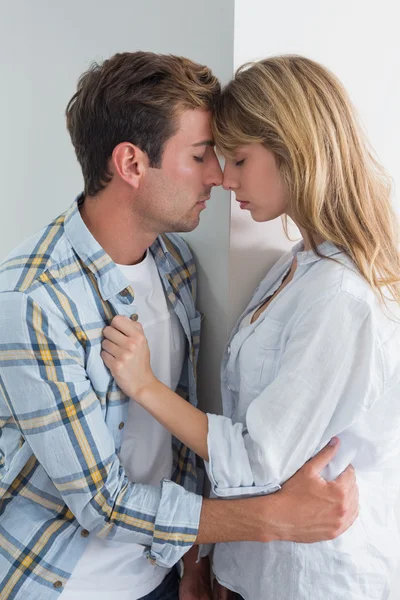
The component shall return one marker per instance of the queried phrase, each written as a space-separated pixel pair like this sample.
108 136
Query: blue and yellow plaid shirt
60 411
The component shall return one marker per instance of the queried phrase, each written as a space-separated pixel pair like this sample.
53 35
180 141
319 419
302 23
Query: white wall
45 46
359 41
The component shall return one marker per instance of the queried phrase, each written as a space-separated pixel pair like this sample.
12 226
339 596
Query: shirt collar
305 257
110 279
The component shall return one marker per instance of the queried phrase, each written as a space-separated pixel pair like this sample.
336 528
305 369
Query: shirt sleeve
46 388
330 372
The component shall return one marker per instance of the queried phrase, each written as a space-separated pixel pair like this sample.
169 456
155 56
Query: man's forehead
195 127
210 142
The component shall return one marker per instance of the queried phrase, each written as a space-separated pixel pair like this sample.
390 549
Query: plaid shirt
60 411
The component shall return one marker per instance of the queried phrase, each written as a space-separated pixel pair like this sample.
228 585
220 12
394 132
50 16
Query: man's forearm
249 519
307 509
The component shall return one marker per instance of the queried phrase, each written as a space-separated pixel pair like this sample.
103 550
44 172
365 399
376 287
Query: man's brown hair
133 97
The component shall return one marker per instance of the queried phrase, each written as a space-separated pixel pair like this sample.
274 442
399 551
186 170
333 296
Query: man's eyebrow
210 143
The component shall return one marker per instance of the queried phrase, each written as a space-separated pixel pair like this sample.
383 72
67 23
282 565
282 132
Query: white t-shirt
108 567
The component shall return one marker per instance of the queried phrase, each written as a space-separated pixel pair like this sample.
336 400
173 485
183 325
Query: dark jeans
168 589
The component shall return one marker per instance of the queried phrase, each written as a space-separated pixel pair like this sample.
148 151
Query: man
83 512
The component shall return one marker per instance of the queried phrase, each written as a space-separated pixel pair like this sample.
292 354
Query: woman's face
253 175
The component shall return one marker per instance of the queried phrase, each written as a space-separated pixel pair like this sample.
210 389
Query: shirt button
124 292
229 349
84 533
121 425
135 317
57 584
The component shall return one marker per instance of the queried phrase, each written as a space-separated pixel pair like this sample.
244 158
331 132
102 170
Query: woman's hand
126 353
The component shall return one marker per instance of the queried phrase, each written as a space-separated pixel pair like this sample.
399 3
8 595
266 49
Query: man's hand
307 509
196 582
310 509
222 593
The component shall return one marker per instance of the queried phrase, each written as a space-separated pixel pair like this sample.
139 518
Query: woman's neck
318 239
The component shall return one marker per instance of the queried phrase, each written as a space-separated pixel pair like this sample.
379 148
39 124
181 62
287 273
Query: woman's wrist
147 392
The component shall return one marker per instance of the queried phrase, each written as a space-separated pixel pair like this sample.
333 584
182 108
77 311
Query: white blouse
322 360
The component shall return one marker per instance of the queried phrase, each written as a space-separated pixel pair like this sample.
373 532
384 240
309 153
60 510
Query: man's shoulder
26 264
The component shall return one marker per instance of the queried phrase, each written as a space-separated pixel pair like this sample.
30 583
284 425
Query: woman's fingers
113 349
126 326
109 360
114 335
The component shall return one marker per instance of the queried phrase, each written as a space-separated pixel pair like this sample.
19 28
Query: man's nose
216 176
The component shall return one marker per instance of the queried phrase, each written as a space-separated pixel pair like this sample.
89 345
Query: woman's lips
243 203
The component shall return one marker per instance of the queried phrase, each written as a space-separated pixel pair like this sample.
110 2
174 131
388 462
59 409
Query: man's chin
188 227
185 226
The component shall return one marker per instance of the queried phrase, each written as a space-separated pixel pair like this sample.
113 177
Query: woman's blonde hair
336 188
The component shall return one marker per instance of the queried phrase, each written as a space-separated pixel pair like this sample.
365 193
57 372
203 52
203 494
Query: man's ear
130 163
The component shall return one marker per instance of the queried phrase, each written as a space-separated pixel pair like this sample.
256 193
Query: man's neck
113 225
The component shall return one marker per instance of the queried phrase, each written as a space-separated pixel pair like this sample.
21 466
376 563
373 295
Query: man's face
172 197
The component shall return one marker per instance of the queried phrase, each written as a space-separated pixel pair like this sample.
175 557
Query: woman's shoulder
339 274
337 281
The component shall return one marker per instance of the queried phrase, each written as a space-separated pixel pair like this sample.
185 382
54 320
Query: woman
316 354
